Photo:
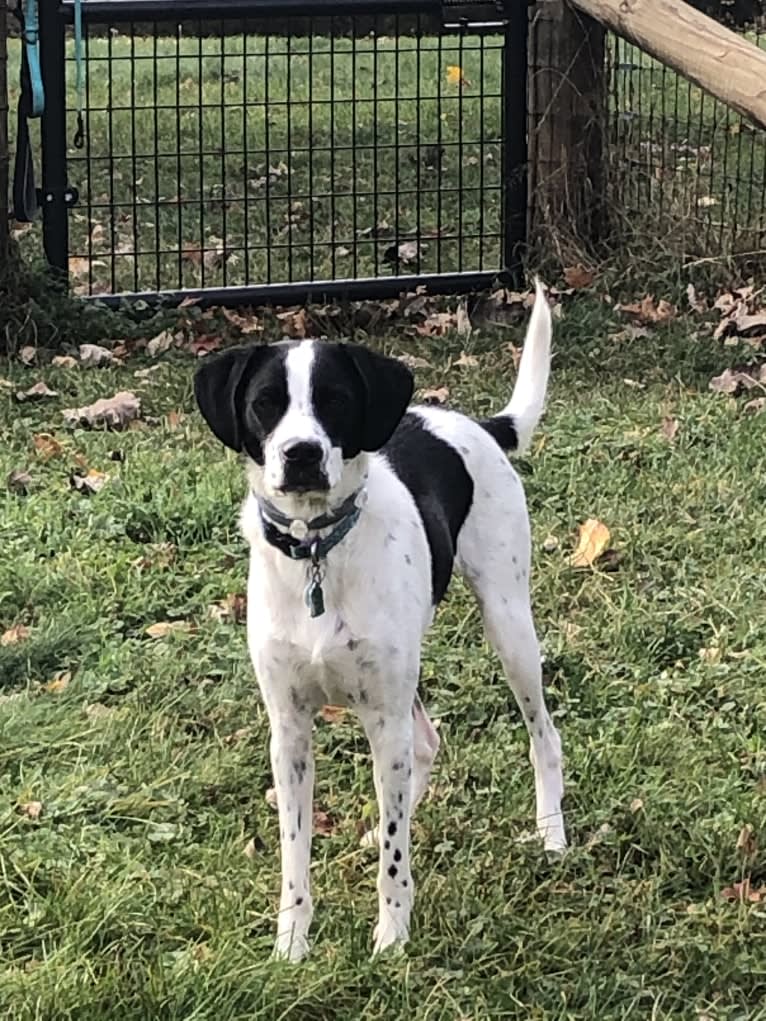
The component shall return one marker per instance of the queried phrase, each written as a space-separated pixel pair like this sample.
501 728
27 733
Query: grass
130 897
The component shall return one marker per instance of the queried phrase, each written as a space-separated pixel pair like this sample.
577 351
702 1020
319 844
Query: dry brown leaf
732 381
233 608
47 446
80 267
64 362
250 848
175 418
413 362
161 343
31 809
515 353
240 734
744 892
466 361
27 354
114 412
631 332
204 345
726 383
92 355
464 327
244 323
744 322
670 427
636 805
756 406
578 276
295 323
92 482
747 844
324 824
271 797
14 635
19 481
39 392
592 542
406 253
437 324
434 396
332 713
648 311
697 302
164 628
59 683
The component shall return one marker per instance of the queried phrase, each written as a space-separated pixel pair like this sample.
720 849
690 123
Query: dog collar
296 544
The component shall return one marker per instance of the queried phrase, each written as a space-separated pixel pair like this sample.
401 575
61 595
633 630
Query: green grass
130 896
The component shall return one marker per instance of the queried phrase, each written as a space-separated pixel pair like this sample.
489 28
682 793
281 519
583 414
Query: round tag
299 529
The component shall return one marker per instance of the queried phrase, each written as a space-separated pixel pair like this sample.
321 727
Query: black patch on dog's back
502 429
441 487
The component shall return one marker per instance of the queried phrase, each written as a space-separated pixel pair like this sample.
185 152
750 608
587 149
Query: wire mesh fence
215 157
682 168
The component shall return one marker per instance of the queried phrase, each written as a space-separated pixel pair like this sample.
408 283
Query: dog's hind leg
502 589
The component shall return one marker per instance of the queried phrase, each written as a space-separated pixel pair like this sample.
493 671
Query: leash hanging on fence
31 106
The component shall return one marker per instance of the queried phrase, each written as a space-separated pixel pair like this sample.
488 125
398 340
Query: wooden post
566 105
723 63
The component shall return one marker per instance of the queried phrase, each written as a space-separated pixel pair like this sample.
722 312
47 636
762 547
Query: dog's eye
266 402
331 400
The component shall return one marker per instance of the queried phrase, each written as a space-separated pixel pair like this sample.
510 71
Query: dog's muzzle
303 468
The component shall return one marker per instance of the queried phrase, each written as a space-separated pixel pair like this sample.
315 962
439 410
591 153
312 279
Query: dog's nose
303 454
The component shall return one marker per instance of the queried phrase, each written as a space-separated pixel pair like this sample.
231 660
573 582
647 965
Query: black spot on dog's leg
392 870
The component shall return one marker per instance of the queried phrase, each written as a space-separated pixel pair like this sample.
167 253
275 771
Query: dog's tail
512 428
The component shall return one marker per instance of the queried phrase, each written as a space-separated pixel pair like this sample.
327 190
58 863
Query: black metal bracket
70 196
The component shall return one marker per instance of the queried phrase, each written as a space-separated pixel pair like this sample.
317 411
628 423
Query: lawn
133 769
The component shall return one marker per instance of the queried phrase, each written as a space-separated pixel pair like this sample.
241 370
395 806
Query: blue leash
32 46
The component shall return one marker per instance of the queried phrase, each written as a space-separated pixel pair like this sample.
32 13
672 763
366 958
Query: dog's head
302 410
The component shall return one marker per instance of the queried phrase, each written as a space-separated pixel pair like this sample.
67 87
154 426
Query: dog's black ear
218 386
388 387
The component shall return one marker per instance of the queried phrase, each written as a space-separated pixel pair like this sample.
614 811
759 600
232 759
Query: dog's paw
553 837
290 946
390 937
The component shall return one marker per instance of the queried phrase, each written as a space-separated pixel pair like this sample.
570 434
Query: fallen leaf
670 427
19 481
437 324
466 361
706 201
342 251
31 809
756 405
744 893
245 324
744 322
598 836
92 482
80 267
64 362
726 383
593 540
631 332
164 628
747 844
636 805
271 798
114 412
456 76
161 343
464 328
27 354
437 396
94 355
295 323
250 848
203 345
59 683
578 276
233 608
697 303
47 446
648 311
175 418
711 654
324 825
634 384
413 362
148 372
406 253
332 713
238 735
40 391
14 635
97 711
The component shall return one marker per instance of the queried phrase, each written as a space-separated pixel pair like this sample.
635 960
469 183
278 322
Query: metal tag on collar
298 529
314 593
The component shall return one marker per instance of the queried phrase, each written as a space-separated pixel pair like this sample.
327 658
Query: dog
359 507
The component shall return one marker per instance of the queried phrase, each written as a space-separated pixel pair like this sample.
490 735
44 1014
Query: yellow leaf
456 76
164 627
59 683
31 809
594 539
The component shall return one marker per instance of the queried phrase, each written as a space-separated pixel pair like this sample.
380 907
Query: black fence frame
59 195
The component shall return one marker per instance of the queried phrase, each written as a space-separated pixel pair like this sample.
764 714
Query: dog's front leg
391 739
293 766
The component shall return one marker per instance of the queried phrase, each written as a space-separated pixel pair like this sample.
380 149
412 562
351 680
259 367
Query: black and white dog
357 511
